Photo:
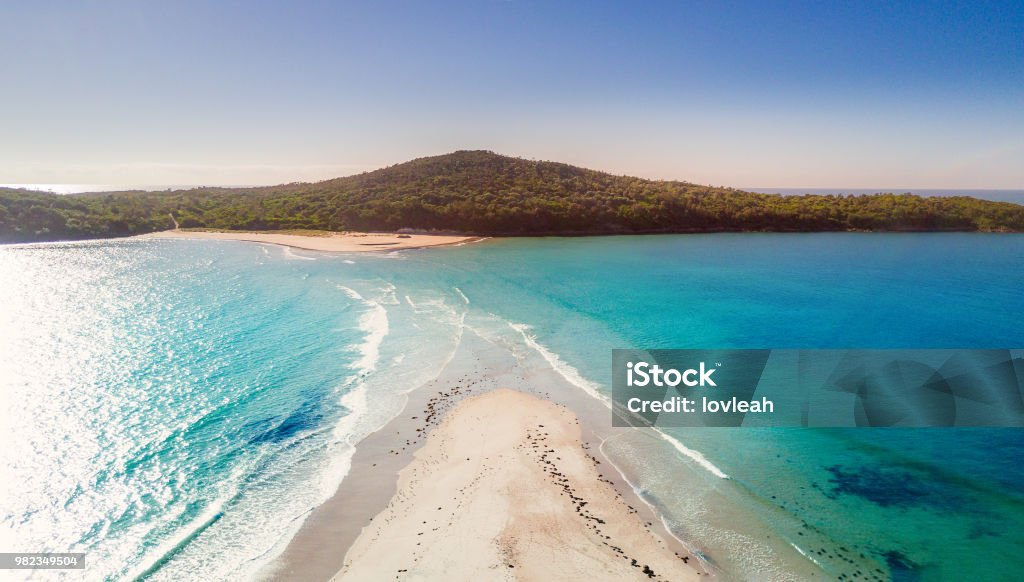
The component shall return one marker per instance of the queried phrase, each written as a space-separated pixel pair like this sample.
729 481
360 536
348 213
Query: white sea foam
572 375
456 341
461 294
468 242
434 305
375 323
693 455
352 427
805 554
291 255
349 262
190 531
351 293
651 506
388 295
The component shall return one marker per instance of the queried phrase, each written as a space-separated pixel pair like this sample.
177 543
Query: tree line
484 193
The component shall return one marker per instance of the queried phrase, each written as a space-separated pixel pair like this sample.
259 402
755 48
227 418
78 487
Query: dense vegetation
485 193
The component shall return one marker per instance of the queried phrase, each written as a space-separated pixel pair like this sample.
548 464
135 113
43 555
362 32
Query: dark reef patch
901 569
305 418
890 487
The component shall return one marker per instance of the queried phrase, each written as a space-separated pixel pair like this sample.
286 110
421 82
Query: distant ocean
174 406
80 188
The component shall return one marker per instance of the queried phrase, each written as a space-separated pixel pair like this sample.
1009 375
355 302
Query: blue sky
812 94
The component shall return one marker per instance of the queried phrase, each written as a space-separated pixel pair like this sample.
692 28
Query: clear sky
814 94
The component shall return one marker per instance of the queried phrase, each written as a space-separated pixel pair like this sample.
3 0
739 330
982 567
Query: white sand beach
347 242
504 489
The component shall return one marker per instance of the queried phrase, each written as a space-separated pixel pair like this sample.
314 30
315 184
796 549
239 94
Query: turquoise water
177 405
927 504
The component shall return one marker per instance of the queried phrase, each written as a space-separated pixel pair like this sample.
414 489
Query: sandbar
504 488
345 242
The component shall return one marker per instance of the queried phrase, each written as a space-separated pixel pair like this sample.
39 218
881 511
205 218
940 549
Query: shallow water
198 398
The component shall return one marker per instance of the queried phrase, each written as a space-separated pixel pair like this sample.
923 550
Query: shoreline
298 240
317 550
316 545
719 531
526 503
324 241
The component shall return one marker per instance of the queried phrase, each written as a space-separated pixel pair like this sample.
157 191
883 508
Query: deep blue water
200 397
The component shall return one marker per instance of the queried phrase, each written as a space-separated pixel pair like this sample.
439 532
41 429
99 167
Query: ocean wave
164 552
693 455
291 255
573 376
461 294
640 494
388 295
352 293
375 324
469 242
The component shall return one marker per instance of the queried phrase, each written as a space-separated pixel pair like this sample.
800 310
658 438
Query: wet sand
318 549
484 363
504 488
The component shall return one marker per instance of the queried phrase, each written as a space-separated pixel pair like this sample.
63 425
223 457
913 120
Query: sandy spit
505 489
347 242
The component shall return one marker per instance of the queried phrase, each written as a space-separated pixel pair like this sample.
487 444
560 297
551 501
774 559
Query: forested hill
484 193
